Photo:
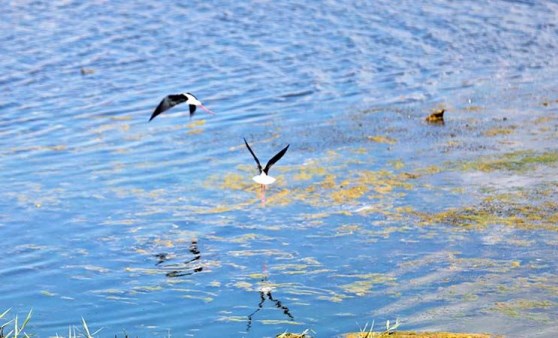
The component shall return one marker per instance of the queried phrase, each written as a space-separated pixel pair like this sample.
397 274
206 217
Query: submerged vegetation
520 161
532 209
438 192
413 334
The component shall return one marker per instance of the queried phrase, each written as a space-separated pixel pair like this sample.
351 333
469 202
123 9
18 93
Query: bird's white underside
192 100
263 179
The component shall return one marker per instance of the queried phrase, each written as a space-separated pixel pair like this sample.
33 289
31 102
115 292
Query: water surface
156 228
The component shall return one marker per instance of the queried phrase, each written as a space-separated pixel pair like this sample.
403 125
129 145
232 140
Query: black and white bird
263 178
173 99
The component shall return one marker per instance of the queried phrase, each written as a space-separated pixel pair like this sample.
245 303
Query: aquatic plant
391 328
86 329
303 334
369 332
17 331
364 332
518 161
518 209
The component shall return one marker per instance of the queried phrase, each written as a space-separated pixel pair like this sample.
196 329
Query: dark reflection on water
185 268
265 288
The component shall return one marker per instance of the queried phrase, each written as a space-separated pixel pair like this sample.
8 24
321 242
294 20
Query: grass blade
5 312
86 328
26 320
16 333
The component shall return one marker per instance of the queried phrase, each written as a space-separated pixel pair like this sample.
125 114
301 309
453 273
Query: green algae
484 264
293 335
366 183
327 189
195 127
473 108
520 161
279 322
345 195
413 334
47 293
363 286
382 139
308 172
518 210
235 181
299 269
524 308
241 239
397 164
499 131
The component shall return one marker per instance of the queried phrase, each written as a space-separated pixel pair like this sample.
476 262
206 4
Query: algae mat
419 335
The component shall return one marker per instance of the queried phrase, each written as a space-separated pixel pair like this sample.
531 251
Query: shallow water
151 228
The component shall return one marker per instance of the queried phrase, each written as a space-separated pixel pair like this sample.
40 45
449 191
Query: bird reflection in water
185 268
265 294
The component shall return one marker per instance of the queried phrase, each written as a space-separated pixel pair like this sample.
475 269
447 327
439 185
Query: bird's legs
262 191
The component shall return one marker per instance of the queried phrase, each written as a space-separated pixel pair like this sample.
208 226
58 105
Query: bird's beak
206 109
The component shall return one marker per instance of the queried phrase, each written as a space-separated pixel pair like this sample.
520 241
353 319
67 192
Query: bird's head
192 100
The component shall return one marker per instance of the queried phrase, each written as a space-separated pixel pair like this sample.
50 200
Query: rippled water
151 228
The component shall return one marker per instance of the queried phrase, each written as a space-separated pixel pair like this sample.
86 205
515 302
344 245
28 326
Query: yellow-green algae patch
278 322
524 308
397 164
412 334
322 187
382 139
245 238
499 131
233 319
236 181
519 210
366 282
430 170
300 269
308 172
281 197
195 124
146 288
484 264
380 182
262 252
514 161
293 335
47 293
349 194
473 108
195 127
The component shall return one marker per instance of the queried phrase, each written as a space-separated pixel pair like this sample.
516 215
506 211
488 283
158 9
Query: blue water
137 228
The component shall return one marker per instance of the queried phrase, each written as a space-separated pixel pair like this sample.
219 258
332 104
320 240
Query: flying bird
173 99
263 178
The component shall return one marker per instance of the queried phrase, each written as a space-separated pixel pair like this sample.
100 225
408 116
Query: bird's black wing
192 109
167 103
275 159
254 155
